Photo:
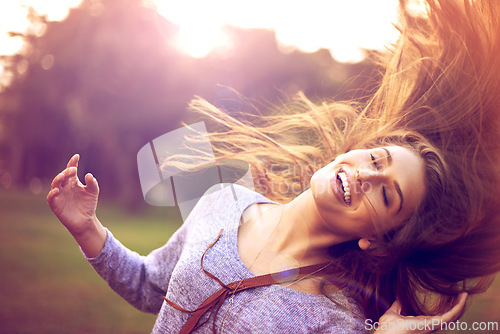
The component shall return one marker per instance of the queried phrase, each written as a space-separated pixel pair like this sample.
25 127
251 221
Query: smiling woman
399 201
365 188
438 104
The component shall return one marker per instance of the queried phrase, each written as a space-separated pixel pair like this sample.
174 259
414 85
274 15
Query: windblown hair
439 96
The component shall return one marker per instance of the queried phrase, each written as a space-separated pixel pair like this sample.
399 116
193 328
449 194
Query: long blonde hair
440 93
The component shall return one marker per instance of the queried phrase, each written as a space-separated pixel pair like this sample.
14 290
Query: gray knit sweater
174 271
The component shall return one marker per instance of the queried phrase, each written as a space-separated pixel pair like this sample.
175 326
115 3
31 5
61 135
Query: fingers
73 162
457 309
57 181
63 178
91 184
70 172
69 177
52 195
71 169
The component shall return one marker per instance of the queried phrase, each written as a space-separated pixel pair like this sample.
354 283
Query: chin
322 191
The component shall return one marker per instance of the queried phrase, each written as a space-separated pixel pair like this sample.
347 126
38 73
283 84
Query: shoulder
221 197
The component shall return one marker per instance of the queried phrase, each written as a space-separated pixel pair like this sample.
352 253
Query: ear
364 243
367 244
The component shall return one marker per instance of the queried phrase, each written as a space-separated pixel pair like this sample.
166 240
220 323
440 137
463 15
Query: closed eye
374 161
378 167
384 195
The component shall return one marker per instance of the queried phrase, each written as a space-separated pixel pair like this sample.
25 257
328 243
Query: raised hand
75 205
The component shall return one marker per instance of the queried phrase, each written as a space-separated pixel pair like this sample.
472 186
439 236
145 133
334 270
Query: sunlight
198 42
343 27
56 10
13 17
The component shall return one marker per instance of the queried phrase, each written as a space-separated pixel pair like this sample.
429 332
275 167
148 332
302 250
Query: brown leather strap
214 302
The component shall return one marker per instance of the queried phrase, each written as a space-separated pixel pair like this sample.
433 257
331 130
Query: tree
108 79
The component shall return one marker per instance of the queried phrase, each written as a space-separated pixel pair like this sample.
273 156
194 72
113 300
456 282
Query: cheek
320 189
366 218
320 183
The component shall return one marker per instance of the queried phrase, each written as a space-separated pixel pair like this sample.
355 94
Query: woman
405 217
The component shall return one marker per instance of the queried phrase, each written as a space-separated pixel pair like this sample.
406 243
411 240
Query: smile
344 186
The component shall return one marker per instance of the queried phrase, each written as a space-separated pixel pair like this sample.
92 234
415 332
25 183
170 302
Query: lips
341 187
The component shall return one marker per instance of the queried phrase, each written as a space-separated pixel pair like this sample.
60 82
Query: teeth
347 189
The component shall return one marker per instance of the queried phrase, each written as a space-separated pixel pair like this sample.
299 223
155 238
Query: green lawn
48 287
46 284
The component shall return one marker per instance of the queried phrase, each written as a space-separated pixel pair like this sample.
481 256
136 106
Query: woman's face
369 190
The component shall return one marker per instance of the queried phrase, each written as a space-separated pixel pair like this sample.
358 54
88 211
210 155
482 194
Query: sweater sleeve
140 280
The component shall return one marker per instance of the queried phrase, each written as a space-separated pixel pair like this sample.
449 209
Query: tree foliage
109 78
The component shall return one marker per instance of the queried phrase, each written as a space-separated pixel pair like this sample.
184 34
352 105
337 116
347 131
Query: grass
48 287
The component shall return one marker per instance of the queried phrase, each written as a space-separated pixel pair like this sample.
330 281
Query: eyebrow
396 184
389 156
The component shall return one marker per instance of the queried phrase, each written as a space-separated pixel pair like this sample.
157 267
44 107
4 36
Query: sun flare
343 27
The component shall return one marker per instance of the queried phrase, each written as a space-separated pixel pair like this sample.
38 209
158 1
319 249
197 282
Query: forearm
92 239
130 275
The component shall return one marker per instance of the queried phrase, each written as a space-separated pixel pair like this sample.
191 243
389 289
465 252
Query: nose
369 175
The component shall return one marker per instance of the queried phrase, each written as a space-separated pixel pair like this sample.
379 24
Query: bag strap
214 302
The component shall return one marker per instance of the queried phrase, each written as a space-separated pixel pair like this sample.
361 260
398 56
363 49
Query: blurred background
104 77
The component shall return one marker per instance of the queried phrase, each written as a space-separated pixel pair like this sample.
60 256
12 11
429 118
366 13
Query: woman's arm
392 322
141 280
75 205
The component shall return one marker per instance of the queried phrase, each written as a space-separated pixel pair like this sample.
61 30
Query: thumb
396 307
91 184
457 309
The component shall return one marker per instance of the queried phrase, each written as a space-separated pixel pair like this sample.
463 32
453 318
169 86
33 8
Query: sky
343 27
307 25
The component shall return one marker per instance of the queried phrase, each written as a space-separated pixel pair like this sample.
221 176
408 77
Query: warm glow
198 43
343 27
13 17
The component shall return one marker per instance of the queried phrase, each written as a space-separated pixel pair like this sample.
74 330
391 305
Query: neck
301 234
